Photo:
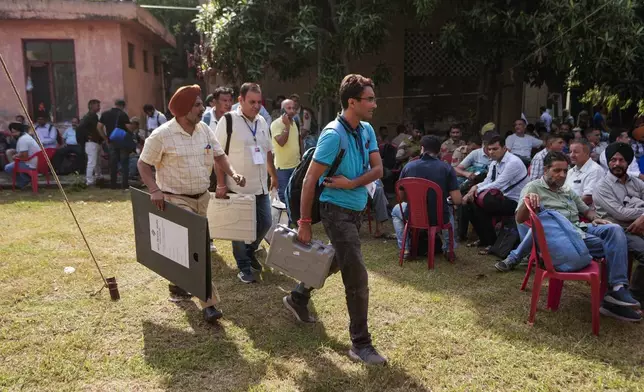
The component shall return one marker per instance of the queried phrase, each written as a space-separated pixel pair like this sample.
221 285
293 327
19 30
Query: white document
371 188
169 239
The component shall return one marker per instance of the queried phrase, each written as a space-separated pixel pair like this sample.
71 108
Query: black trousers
481 218
343 228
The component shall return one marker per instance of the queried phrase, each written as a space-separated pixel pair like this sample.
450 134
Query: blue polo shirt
435 170
361 142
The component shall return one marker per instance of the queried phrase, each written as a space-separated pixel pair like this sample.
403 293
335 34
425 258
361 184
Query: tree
244 39
592 42
180 24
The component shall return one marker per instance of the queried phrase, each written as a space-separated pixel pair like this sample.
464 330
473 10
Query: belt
190 196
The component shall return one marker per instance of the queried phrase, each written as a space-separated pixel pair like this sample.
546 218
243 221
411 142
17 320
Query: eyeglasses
368 99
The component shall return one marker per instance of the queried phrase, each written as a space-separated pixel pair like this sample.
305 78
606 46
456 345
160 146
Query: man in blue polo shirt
341 205
431 168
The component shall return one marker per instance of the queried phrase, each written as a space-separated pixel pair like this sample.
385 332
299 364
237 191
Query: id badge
258 155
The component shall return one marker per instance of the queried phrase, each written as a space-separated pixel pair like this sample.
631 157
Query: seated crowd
596 185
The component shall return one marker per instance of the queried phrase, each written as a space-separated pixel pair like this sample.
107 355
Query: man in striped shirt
553 143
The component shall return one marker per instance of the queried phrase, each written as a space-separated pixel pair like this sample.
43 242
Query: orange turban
638 133
183 100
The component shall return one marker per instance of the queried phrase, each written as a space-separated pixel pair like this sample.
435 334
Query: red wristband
299 222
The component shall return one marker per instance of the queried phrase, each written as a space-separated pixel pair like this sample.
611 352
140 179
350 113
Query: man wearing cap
619 198
183 151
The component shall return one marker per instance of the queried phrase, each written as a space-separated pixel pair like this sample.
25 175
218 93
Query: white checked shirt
240 154
583 181
183 162
502 175
536 166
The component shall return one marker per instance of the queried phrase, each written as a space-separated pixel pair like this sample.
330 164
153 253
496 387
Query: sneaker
211 314
524 261
246 278
177 294
505 266
213 248
367 355
301 313
621 297
619 312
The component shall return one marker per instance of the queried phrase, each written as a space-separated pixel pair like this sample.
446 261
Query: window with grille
424 57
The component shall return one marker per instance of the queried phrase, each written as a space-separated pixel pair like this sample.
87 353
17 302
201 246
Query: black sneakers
620 312
211 314
177 294
246 278
367 355
621 297
301 313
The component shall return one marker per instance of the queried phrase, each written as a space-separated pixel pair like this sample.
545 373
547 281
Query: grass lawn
458 327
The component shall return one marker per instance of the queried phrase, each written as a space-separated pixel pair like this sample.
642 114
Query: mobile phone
283 111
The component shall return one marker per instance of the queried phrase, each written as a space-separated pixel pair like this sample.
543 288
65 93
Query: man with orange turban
183 152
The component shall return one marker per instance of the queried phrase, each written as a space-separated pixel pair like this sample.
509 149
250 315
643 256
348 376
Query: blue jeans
399 227
610 241
22 179
283 175
243 252
524 248
607 241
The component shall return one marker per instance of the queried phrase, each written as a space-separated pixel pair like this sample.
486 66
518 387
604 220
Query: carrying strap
508 189
229 130
344 143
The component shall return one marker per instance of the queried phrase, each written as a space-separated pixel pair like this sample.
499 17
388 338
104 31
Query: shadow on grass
501 308
303 353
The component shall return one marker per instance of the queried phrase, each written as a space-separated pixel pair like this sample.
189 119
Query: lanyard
357 135
253 131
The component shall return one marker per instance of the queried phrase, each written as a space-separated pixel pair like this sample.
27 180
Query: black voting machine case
174 243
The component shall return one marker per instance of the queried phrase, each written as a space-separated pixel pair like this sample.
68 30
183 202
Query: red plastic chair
447 157
590 274
416 194
41 168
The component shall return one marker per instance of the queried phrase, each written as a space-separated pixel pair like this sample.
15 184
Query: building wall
140 87
97 50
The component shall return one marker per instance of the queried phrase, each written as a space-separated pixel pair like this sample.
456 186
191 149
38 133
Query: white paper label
258 154
169 240
371 188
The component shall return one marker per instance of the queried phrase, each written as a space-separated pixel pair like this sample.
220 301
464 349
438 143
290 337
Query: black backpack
229 131
293 193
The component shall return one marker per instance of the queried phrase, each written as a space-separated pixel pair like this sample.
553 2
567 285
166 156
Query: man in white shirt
546 118
521 144
71 146
621 136
586 174
507 173
47 133
553 143
153 118
25 147
251 152
222 101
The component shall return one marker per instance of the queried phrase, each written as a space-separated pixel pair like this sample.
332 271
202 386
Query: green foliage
599 40
245 39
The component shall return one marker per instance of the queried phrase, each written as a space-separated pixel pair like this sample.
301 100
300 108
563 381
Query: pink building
62 53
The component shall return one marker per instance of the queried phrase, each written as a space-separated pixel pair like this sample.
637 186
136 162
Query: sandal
485 251
474 244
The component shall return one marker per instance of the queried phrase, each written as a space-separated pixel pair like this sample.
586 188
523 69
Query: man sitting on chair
603 238
431 168
25 147
507 174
